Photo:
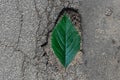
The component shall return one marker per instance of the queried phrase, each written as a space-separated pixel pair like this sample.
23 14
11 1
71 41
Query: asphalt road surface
25 27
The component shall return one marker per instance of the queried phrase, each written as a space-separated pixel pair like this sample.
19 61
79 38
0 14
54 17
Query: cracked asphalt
25 28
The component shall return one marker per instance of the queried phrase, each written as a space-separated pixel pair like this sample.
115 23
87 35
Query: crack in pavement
20 21
17 43
38 37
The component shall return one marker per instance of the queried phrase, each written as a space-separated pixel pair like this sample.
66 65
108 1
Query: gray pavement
24 28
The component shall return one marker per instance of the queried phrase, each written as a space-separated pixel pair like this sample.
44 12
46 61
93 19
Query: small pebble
108 12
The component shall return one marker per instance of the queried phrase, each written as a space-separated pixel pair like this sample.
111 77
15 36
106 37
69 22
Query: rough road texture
24 28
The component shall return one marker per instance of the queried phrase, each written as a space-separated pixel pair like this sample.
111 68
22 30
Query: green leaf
65 41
